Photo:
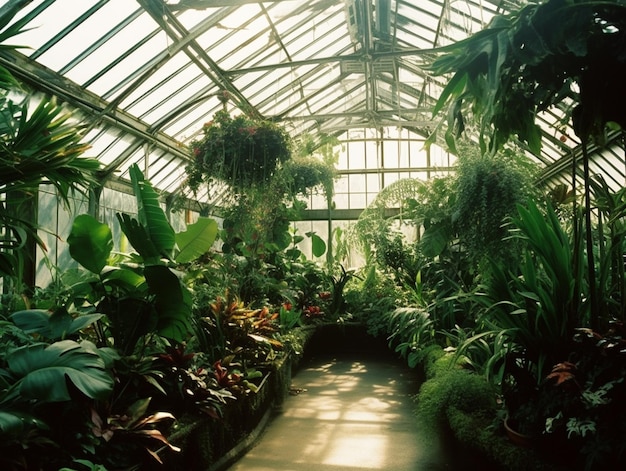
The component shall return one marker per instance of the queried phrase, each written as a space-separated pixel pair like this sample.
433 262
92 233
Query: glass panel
373 183
390 178
341 185
162 83
107 54
57 16
358 201
390 154
318 202
114 149
357 183
371 155
341 201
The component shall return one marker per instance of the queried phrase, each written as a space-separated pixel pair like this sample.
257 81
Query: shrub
454 388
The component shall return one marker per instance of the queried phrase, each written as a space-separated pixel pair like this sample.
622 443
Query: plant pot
517 438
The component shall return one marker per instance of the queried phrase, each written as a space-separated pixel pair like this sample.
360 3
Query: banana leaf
139 238
151 215
196 240
172 301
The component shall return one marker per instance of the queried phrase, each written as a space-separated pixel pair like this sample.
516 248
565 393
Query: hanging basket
238 151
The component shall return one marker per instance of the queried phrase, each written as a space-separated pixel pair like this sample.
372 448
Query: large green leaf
317 244
172 300
151 215
90 243
435 239
123 278
14 424
43 370
54 326
139 238
196 240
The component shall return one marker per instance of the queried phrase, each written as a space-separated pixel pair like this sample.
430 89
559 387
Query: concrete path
352 414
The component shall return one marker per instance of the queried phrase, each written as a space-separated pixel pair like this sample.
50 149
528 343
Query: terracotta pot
519 439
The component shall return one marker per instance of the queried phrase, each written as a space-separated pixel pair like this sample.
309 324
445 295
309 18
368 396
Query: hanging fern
488 190
238 151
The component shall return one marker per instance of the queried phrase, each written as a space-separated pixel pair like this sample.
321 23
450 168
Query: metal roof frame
306 64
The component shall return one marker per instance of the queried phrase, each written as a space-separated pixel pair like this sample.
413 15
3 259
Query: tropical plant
288 317
39 372
558 53
529 311
56 325
39 384
411 330
338 283
40 146
128 436
149 297
116 306
547 53
238 334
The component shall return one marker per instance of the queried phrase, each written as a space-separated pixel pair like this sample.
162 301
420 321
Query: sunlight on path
351 415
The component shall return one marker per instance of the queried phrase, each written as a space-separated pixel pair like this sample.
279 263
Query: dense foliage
239 151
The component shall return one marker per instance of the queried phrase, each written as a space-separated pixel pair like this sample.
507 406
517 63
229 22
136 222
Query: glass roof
147 73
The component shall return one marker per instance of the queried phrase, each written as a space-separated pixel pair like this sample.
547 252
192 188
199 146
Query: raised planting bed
209 444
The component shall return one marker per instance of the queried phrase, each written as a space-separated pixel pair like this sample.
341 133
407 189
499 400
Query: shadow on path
350 411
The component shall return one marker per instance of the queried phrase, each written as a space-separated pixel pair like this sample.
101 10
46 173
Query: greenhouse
361 229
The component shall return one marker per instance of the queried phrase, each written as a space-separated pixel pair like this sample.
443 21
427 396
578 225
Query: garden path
354 412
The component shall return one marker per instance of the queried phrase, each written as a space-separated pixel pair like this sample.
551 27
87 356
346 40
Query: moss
462 402
430 359
454 388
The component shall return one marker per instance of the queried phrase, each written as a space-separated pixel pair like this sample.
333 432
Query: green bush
434 360
477 433
454 388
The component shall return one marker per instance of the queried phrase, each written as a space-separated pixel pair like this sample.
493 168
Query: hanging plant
488 190
302 175
567 53
239 151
